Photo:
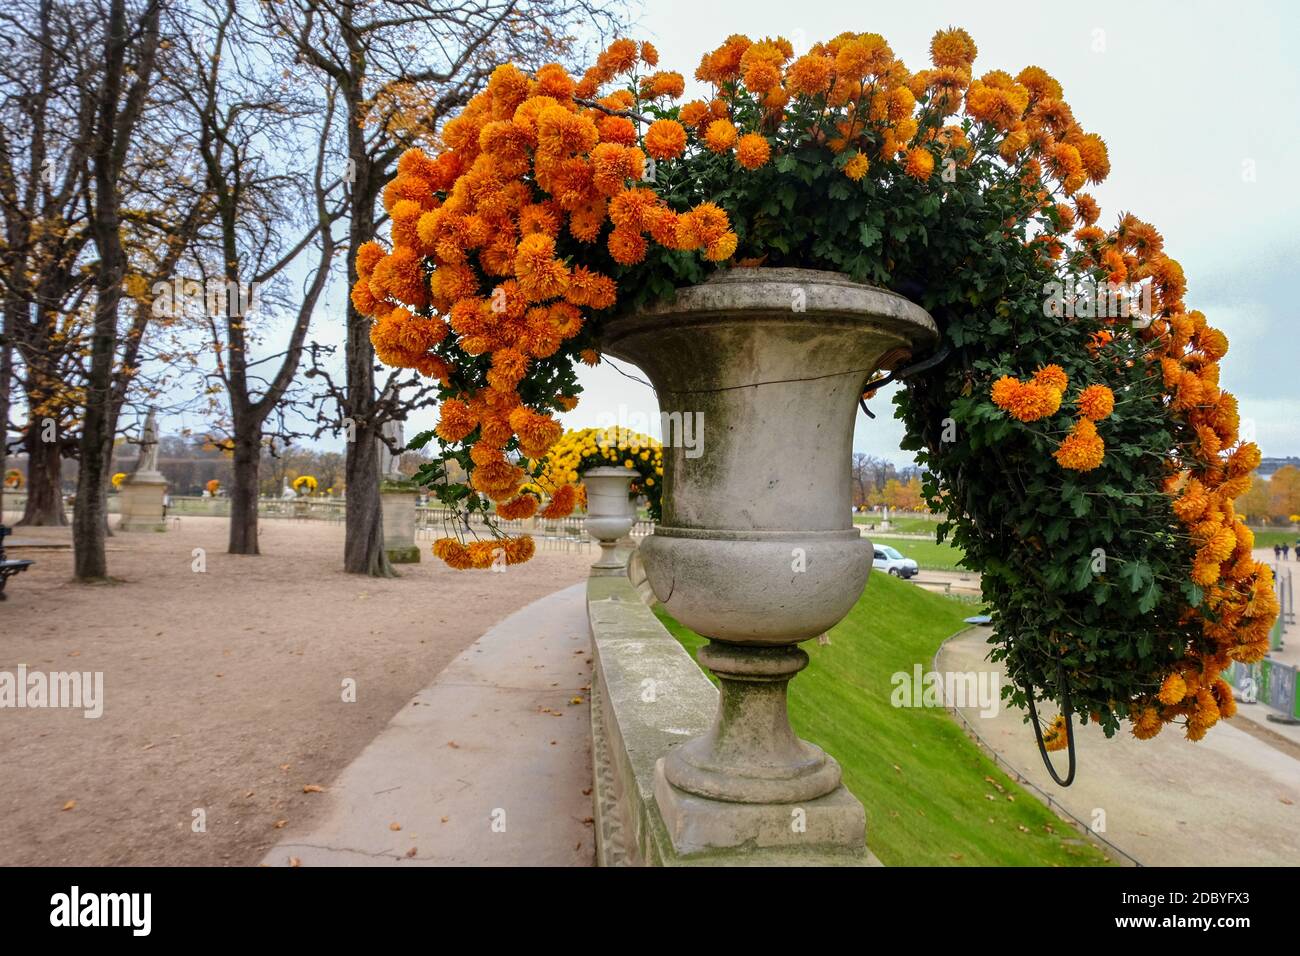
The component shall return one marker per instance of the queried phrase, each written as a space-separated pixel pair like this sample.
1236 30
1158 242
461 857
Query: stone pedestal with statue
142 497
398 497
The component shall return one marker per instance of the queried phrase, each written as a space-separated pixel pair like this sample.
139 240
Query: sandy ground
224 690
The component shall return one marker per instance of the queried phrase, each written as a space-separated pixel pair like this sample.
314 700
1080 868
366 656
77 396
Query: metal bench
8 568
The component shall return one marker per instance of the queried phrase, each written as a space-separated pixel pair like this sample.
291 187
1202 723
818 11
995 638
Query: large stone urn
610 515
757 550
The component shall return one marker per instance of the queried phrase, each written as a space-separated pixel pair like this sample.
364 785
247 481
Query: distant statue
146 466
148 462
389 463
288 492
144 498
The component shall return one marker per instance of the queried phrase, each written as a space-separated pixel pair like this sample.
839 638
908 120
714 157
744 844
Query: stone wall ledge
648 694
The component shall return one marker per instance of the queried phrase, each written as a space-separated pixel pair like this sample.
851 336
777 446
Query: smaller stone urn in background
143 494
610 515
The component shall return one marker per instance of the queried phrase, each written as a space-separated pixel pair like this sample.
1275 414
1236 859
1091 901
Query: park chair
9 568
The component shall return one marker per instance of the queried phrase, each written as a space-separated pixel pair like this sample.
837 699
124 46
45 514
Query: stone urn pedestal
140 501
610 515
757 550
398 506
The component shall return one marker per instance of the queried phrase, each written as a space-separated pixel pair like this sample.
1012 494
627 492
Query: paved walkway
489 765
1231 799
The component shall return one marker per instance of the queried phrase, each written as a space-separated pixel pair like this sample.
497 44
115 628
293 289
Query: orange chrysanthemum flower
720 136
525 506
857 166
920 163
721 248
665 139
752 150
1026 401
693 112
1083 449
663 83
456 421
562 503
1052 376
953 48
453 553
810 75
1096 402
627 246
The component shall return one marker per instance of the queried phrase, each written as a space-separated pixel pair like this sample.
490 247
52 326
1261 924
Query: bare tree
274 216
47 112
127 75
400 69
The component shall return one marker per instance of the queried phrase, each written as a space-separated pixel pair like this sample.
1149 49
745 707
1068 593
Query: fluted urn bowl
610 514
758 373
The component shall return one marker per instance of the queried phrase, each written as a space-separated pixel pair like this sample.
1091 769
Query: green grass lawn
908 524
1267 537
925 784
930 555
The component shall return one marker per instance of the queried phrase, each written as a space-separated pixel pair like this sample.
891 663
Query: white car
888 559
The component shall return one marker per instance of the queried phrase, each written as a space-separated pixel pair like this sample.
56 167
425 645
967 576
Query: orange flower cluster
484 554
474 268
1033 400
884 112
1209 471
1082 449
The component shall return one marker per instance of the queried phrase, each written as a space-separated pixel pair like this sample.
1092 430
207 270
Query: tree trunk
113 131
6 378
44 480
90 516
363 548
243 495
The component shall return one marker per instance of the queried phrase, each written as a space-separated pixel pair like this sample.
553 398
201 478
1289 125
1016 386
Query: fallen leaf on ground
394 826
294 861
411 852
280 824
453 745
445 819
70 805
313 788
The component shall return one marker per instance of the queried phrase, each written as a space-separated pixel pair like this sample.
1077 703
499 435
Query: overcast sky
1198 103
